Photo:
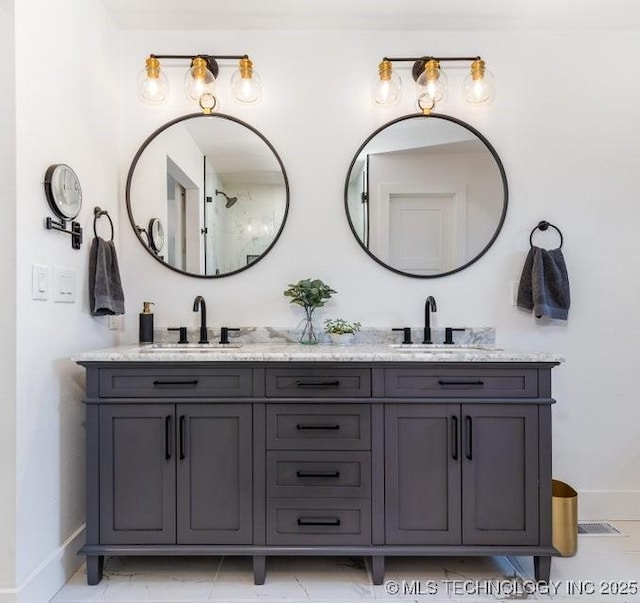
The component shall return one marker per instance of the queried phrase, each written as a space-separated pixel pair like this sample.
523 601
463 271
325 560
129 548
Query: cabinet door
500 474
422 474
214 474
137 474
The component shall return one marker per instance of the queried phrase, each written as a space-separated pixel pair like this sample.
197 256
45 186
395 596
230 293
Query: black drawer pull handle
469 453
302 426
167 438
454 438
335 474
318 521
460 382
192 383
183 454
317 384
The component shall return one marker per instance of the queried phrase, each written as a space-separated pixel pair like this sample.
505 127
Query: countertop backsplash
471 335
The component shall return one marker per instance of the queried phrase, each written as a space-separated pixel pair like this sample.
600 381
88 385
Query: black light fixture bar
420 62
212 60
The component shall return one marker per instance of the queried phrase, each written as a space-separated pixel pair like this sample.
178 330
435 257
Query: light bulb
386 86
431 85
479 87
199 80
246 83
153 85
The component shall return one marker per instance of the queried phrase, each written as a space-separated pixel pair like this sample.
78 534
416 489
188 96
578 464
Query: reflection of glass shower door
177 224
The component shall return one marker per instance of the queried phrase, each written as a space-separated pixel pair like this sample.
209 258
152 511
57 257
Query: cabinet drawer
466 383
318 426
176 382
316 474
320 382
320 521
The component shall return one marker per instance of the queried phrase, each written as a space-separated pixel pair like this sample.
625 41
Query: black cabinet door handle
317 384
469 452
318 521
304 426
182 437
452 382
191 383
319 474
454 438
167 437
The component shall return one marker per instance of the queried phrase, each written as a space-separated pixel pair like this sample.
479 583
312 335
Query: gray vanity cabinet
463 474
137 474
422 469
349 458
499 460
175 474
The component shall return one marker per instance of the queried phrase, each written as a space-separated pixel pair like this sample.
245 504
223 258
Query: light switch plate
64 285
40 282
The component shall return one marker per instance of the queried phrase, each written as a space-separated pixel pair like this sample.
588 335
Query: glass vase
307 334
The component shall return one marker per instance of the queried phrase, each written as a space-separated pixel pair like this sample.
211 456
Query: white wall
67 93
570 154
7 302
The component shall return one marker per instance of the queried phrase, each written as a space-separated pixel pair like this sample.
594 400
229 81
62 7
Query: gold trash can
564 512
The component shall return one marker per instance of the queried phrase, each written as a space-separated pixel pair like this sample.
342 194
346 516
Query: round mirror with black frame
213 192
426 195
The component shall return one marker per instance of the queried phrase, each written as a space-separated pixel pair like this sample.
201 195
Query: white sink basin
439 348
189 348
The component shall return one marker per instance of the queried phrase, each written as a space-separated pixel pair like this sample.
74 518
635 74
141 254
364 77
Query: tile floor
603 564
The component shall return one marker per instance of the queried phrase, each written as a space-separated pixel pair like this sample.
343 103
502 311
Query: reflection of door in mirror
425 232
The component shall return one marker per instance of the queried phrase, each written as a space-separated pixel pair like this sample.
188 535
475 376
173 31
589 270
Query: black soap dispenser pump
146 323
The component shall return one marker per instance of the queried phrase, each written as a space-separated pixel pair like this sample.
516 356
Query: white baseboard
50 576
596 505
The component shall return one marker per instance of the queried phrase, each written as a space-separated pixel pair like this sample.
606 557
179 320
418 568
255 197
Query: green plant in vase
341 331
310 294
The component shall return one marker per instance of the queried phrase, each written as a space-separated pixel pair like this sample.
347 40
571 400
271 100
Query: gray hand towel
544 284
105 288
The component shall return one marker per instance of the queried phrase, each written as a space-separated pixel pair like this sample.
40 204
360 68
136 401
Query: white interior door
421 233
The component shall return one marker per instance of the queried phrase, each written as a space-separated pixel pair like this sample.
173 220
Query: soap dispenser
146 323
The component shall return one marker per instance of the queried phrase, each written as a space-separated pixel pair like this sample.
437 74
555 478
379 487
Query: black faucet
429 306
199 304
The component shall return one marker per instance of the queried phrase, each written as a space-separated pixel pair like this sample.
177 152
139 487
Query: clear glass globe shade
386 92
431 91
246 90
153 90
481 91
195 87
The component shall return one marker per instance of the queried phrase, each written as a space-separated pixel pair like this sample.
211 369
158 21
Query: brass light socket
153 68
198 68
384 69
246 68
478 67
432 69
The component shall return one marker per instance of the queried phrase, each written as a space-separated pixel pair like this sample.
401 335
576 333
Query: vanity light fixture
199 80
431 82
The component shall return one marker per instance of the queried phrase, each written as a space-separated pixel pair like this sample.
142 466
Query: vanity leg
95 564
542 567
259 569
377 569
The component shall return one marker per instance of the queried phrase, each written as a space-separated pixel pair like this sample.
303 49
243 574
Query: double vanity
284 449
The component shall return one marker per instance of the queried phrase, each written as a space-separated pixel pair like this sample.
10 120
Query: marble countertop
295 352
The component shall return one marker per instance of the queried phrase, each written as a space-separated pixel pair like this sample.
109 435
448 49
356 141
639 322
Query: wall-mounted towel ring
543 225
98 213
